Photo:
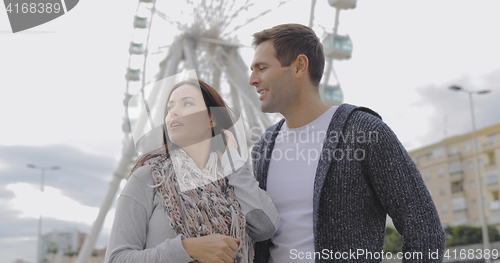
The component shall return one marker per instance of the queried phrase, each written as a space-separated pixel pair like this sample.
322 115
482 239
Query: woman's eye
188 103
169 108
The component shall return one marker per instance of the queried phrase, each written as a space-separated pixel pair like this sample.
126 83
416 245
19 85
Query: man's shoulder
367 112
347 114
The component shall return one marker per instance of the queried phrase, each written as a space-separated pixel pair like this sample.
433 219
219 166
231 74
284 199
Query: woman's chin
182 143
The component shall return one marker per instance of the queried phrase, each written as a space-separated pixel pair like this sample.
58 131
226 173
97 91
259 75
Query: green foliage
466 235
393 241
455 236
52 249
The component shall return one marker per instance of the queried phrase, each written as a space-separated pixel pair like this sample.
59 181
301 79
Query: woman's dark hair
217 109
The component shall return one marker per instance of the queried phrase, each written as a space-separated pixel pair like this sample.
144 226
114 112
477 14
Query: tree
393 241
466 235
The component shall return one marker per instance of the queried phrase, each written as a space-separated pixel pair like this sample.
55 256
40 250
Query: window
476 222
454 151
459 204
474 203
491 139
444 208
471 166
460 220
442 189
472 184
491 177
439 152
491 158
468 147
427 176
495 217
441 172
457 187
496 196
455 167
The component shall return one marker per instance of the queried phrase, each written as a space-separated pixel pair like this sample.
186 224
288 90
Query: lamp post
39 246
486 240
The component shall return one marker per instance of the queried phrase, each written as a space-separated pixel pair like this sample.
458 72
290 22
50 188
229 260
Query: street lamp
486 240
39 246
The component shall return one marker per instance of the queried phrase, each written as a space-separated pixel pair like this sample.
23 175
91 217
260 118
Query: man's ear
301 65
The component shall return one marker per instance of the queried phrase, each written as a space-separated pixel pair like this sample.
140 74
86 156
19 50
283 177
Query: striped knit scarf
200 202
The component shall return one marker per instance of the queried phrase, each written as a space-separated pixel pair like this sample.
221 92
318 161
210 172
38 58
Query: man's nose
254 80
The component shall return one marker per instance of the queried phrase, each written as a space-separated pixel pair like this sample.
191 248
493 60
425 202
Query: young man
334 173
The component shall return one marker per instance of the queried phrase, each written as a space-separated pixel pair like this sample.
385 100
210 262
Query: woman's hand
230 140
215 248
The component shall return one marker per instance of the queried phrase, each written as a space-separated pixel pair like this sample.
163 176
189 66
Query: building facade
63 247
449 171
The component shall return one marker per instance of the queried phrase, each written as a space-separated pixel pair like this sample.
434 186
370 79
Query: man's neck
304 111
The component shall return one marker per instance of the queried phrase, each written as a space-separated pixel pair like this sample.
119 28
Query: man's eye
261 69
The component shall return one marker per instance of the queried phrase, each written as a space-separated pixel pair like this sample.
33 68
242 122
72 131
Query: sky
63 84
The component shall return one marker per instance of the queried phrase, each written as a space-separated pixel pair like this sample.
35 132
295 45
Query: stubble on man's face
282 93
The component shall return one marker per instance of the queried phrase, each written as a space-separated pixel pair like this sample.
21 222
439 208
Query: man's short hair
291 40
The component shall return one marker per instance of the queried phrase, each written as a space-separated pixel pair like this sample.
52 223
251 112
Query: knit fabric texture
200 202
354 193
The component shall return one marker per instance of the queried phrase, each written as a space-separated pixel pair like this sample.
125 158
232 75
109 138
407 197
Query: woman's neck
199 152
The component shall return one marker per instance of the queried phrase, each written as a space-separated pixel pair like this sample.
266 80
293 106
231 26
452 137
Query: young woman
187 201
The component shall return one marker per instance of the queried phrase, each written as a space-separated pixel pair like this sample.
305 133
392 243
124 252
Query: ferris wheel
205 45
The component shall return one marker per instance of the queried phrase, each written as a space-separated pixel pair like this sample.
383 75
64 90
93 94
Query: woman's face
187 119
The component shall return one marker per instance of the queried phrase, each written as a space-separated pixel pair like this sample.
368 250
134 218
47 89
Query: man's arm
402 192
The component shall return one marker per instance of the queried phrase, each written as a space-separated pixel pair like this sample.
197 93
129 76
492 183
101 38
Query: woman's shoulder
142 173
140 182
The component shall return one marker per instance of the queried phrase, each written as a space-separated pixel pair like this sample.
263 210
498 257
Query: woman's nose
174 112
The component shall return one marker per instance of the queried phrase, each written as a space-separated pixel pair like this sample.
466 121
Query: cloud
71 198
83 177
451 110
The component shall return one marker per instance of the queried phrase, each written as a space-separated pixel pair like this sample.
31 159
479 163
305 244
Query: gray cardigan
141 231
353 194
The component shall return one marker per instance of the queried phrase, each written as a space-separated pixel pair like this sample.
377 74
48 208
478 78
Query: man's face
274 83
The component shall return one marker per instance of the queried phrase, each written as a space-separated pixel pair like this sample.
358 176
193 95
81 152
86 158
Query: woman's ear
213 120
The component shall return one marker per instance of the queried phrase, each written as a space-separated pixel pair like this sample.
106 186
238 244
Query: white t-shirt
290 183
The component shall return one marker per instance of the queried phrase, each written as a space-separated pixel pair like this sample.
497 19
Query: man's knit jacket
364 173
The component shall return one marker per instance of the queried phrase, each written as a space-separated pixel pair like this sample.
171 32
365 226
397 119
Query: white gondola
337 46
135 48
140 22
133 74
333 95
342 4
